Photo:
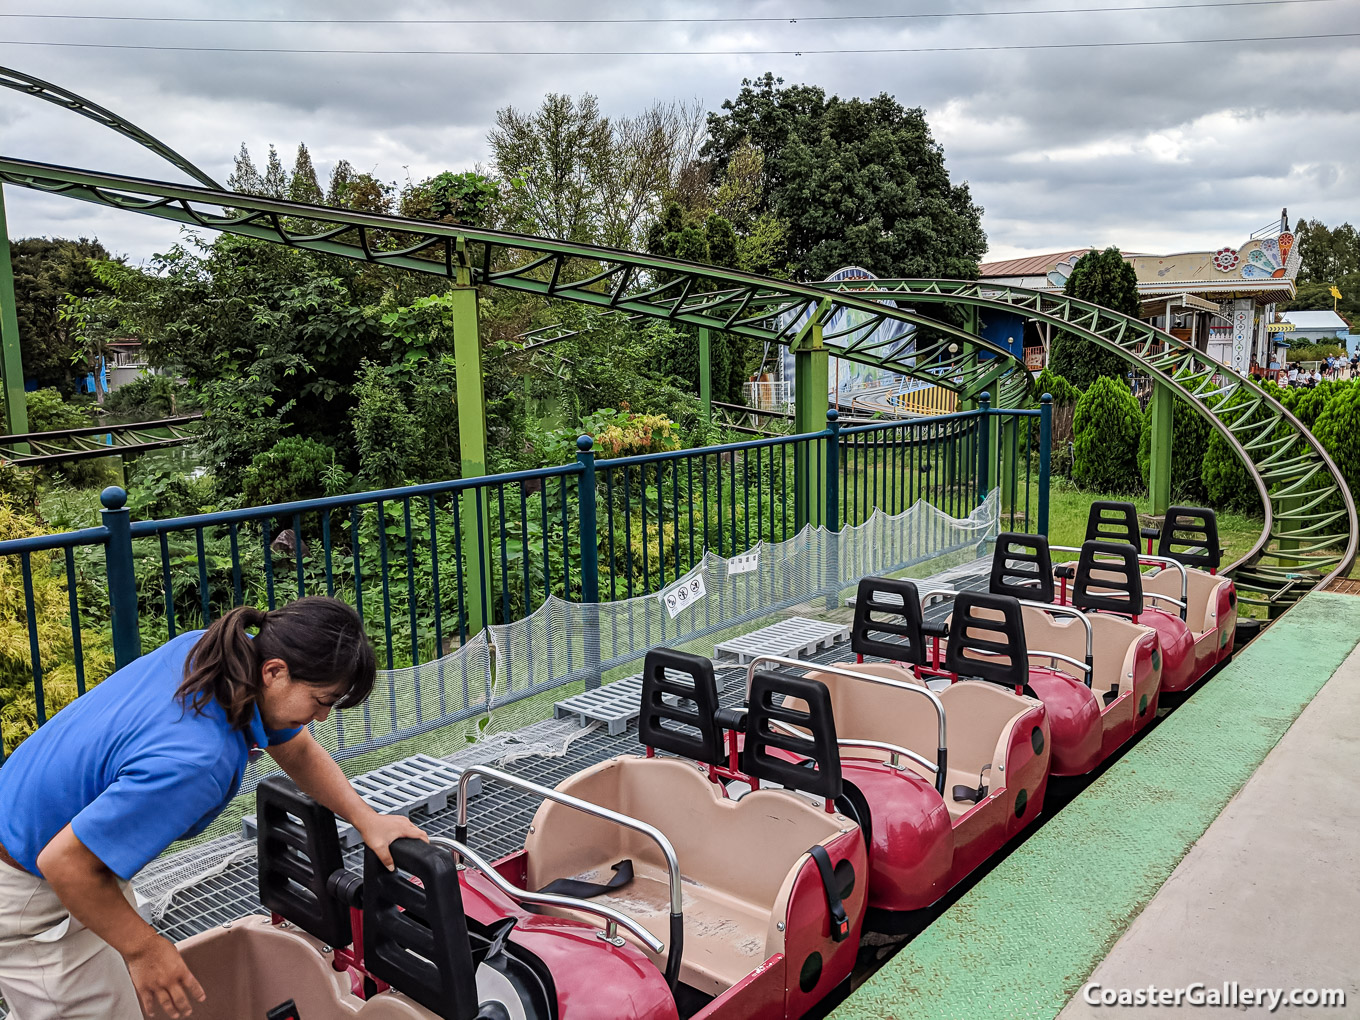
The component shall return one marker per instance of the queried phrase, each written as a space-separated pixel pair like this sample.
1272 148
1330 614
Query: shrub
147 398
386 430
158 492
18 489
1227 482
1065 397
1338 430
1105 278
1189 440
1107 424
293 468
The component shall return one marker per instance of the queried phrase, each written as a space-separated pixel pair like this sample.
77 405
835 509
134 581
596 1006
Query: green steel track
1309 531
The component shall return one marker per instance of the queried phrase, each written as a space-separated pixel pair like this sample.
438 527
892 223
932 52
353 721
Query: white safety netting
491 700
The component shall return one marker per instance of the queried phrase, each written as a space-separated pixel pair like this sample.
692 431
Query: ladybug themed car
939 781
716 907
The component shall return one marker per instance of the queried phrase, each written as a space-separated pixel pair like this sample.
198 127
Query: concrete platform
1267 898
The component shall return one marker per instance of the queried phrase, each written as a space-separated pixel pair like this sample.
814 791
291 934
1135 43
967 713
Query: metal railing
428 566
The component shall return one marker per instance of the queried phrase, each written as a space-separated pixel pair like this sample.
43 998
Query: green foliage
1055 385
1107 424
1338 430
852 182
1065 397
1105 278
147 398
158 491
447 197
18 489
45 273
1189 442
1314 352
293 468
48 412
18 709
386 430
1227 483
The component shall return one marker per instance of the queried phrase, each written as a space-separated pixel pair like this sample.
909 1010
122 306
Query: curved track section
1309 535
68 100
623 281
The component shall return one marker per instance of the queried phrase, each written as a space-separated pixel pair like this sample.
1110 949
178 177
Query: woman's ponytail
320 639
224 666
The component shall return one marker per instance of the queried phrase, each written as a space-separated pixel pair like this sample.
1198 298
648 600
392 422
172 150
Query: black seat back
767 694
1111 520
888 620
1190 535
1115 570
990 627
1022 567
415 935
299 850
690 732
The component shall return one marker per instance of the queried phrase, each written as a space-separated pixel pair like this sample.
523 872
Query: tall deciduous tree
302 184
854 182
1107 279
46 273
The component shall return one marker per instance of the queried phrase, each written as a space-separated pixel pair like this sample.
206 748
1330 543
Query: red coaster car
1118 661
939 781
759 899
1188 557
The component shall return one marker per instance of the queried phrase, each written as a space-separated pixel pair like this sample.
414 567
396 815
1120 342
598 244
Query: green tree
448 197
47 273
360 192
854 182
1106 425
1105 278
302 183
275 180
245 178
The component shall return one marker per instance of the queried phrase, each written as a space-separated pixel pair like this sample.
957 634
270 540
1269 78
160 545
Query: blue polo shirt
127 766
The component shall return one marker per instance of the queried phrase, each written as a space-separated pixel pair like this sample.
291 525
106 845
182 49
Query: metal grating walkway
794 637
615 705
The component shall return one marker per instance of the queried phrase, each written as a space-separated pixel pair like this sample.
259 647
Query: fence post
1045 452
984 445
1159 466
832 517
590 558
705 376
127 638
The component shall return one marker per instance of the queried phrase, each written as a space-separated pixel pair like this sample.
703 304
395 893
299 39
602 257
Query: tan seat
738 858
1202 601
1113 641
978 721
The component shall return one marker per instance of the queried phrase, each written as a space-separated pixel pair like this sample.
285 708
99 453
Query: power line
1106 44
660 21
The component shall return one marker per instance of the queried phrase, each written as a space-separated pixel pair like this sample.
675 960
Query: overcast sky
1152 148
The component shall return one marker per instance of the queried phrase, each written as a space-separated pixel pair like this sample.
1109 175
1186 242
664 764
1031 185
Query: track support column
475 510
11 359
1159 465
811 379
705 375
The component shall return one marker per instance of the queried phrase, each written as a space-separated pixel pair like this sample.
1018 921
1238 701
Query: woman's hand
162 979
379 831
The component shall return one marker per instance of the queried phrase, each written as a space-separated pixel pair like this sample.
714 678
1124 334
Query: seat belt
967 793
623 874
840 923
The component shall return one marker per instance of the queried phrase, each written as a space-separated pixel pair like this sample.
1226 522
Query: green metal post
11 359
811 400
832 518
590 558
705 375
984 467
476 531
127 638
1159 466
1045 454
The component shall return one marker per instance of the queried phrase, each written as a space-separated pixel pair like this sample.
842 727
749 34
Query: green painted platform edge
1025 938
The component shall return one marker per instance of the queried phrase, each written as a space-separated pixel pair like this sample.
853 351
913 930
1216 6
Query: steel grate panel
792 638
615 705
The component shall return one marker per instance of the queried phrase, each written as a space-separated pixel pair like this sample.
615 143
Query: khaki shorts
51 966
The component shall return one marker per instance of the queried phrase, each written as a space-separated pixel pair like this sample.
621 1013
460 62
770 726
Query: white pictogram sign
684 594
744 563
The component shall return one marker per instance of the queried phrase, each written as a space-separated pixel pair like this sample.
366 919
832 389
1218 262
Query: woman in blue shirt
152 755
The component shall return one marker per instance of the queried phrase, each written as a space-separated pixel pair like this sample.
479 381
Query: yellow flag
1336 293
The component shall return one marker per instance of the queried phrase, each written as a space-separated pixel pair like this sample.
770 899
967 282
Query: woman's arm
90 891
318 776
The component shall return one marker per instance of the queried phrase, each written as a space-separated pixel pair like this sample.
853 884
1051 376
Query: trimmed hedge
1107 425
1189 443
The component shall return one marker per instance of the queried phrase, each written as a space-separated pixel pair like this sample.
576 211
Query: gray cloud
1152 148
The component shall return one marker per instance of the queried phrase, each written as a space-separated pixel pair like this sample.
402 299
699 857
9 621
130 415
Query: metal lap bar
816 667
614 919
894 751
655 834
